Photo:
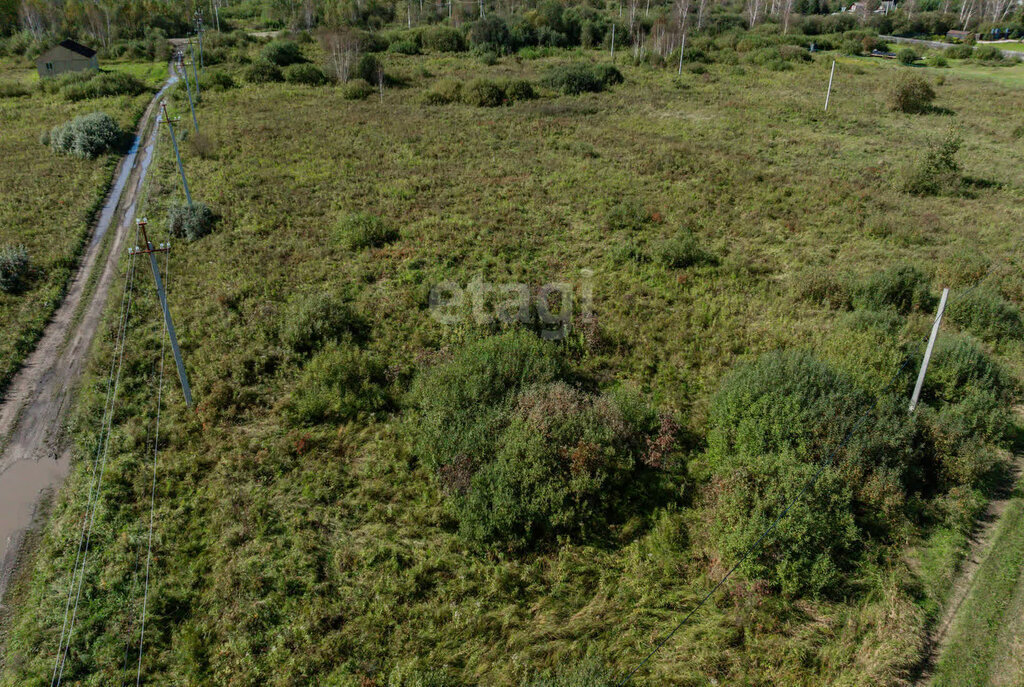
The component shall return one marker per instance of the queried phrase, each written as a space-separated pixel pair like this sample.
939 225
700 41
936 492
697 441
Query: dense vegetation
368 495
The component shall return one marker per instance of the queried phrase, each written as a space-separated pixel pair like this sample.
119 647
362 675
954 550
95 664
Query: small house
66 56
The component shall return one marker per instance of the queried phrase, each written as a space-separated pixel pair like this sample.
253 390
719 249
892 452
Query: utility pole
928 351
613 42
191 107
162 295
177 155
828 94
192 56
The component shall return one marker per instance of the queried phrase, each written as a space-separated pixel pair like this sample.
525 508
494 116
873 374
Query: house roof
74 46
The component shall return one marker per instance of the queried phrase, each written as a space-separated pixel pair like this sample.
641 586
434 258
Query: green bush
959 52
519 89
988 53
683 251
576 78
483 93
262 71
191 222
14 267
903 288
405 46
937 61
308 74
986 314
821 286
910 94
906 56
104 84
627 216
338 384
771 425
356 89
488 58
312 320
362 230
938 171
216 80
13 89
86 136
852 46
443 39
282 53
367 68
959 367
521 455
444 92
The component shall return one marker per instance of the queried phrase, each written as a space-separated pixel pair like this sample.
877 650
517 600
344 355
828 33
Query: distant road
939 45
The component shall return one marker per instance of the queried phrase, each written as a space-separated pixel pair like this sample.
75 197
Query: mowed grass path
291 556
987 637
47 202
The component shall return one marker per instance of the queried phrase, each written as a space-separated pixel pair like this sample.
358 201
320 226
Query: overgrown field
48 201
368 496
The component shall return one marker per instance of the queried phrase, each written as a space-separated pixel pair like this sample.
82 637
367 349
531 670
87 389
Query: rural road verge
34 458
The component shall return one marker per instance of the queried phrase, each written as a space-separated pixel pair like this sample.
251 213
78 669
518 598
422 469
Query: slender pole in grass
928 351
177 155
613 41
195 74
191 107
828 93
162 295
682 47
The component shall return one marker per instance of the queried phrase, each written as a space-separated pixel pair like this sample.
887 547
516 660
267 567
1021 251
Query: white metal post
928 352
828 94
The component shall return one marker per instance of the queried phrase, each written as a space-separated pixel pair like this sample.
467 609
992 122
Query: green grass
985 637
49 201
325 555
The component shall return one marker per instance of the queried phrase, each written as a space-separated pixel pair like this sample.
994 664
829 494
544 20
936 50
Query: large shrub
443 39
490 33
356 89
522 455
282 53
959 367
773 424
938 171
519 89
986 314
190 222
363 230
903 288
906 56
576 78
338 384
216 80
443 92
305 73
86 136
311 320
262 71
104 84
910 94
483 93
14 266
960 52
368 68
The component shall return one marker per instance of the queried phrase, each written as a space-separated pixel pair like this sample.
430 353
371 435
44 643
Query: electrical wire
152 493
107 408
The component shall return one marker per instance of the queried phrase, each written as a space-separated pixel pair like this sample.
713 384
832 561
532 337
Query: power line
152 493
105 448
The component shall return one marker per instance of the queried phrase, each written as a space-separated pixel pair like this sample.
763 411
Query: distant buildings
66 56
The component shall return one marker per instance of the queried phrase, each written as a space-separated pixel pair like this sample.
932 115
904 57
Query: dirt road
34 458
